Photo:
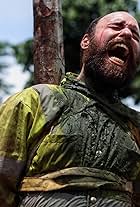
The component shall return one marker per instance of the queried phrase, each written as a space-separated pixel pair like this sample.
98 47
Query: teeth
120 45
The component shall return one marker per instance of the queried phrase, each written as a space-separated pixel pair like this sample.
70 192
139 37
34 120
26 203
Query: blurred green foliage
4 52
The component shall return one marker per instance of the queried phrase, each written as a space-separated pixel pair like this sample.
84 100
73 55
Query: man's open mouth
118 53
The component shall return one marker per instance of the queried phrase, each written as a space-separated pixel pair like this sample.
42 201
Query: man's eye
135 35
116 27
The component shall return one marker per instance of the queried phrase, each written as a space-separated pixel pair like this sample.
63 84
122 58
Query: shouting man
76 145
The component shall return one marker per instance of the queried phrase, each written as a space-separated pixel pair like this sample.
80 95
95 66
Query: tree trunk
48 52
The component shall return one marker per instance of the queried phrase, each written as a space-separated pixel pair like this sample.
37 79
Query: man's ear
85 42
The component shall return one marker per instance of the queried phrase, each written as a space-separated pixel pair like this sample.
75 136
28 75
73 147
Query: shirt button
93 199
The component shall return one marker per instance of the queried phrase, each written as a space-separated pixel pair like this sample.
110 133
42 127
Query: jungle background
76 17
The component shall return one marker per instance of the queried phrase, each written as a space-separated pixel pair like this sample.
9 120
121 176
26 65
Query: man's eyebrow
121 22
117 21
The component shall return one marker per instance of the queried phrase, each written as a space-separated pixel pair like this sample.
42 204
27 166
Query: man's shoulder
34 92
26 97
40 95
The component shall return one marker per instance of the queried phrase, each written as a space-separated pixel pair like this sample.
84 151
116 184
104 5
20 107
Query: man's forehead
119 16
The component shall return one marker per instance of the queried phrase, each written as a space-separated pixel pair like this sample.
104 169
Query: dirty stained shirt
76 137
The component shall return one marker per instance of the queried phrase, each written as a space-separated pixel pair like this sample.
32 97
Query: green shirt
68 135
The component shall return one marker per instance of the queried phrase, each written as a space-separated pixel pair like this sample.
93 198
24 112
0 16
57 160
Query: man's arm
16 118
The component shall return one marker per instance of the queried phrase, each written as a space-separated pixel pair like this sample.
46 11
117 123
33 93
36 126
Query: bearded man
76 145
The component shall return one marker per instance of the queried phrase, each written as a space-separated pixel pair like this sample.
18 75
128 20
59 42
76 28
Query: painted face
114 49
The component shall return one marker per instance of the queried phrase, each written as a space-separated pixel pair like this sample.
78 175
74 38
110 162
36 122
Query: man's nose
126 33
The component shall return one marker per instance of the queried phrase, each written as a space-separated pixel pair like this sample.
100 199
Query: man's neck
99 87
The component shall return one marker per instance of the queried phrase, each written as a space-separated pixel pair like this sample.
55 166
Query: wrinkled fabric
47 129
65 199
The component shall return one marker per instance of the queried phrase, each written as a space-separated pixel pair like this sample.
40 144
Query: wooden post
48 52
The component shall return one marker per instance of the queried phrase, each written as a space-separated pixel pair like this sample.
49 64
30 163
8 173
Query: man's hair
90 31
92 26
